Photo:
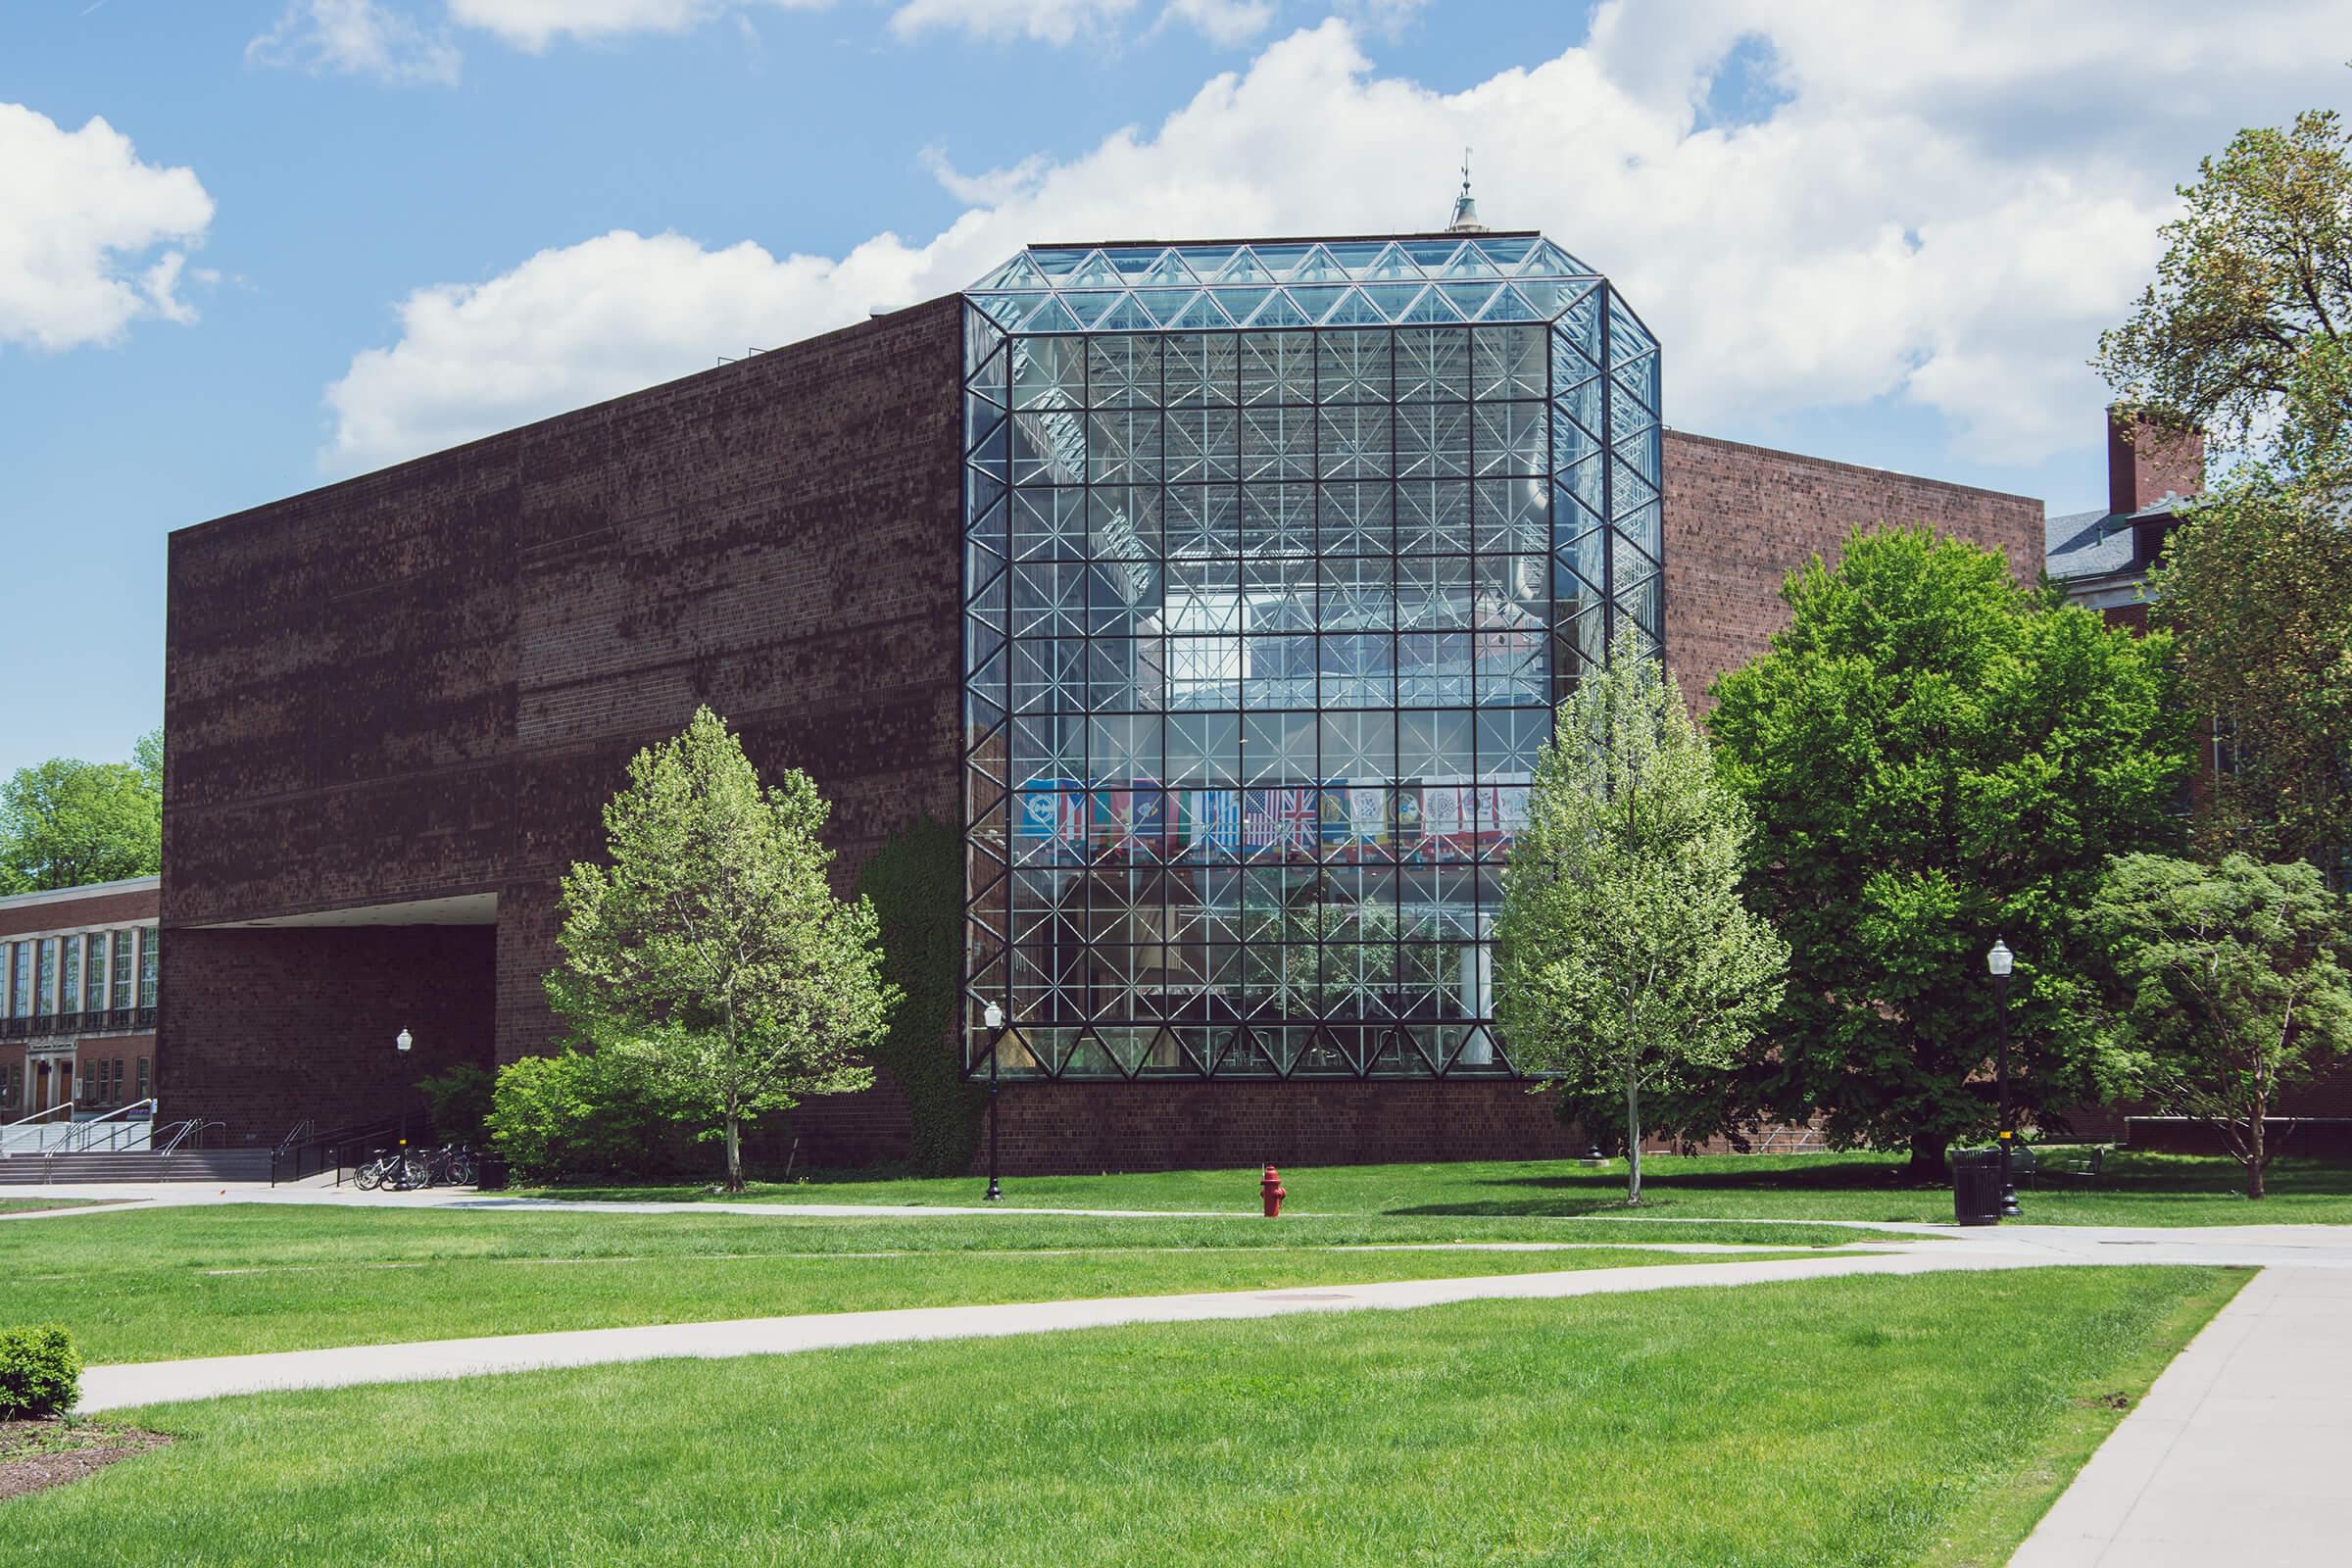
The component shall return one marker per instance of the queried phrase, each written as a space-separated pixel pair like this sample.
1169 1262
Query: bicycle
395 1168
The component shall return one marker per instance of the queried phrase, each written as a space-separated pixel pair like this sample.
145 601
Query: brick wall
97 911
425 682
1112 1127
1740 518
261 1029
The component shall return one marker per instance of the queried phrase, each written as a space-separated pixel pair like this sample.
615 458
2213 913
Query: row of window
105 1081
86 972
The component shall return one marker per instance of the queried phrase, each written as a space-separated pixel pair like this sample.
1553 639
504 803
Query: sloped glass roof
1357 282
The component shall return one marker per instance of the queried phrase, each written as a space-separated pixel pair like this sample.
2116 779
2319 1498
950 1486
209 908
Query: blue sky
400 222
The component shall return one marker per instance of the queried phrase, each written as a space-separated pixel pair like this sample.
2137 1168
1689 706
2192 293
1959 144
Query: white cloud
94 239
533 25
1226 21
359 39
1945 213
1046 21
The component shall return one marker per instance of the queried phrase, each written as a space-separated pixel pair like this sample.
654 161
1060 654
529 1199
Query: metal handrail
85 1134
182 1132
25 1122
332 1146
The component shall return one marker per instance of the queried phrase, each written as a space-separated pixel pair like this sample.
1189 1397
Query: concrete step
188 1165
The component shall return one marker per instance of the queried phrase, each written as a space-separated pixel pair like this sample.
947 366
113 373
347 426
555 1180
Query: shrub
581 1114
461 1099
916 881
40 1371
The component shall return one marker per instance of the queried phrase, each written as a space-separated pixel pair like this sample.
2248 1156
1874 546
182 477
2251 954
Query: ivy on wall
916 880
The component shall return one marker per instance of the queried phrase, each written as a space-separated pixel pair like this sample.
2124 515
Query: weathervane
1465 208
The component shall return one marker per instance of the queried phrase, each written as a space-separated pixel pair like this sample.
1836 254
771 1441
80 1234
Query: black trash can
1977 1186
490 1173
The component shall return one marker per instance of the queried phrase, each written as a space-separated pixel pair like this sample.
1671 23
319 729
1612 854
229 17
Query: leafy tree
1936 757
2236 985
1624 955
2256 590
712 948
65 822
461 1099
2243 331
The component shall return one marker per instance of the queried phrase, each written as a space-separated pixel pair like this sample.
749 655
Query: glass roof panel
1140 287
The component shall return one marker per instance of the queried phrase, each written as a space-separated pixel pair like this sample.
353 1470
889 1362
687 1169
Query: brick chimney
2147 463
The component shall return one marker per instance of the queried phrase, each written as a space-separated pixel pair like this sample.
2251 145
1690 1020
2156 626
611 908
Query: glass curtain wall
1277 558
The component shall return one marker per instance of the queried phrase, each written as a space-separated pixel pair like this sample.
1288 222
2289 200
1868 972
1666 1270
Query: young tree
2235 986
712 946
65 822
1936 757
1624 954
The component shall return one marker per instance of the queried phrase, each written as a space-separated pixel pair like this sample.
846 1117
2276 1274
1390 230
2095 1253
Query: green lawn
1873 1421
162 1284
2138 1190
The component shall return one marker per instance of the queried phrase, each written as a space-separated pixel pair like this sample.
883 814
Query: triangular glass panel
1355 255
1244 267
1010 309
1168 269
1203 312
1469 298
1164 303
1317 300
1509 304
1241 303
1051 317
1058 261
1019 272
1391 265
1506 251
1546 259
1579 327
1431 255
1393 299
1126 315
1281 260
1429 305
1207 261
1356 310
1281 310
1470 261
1096 272
1318 266
1089 308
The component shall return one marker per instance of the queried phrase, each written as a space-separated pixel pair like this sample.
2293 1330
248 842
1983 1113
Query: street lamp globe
402 1040
1999 959
994 1016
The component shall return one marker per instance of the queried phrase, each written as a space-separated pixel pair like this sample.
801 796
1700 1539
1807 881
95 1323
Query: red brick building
395 706
77 994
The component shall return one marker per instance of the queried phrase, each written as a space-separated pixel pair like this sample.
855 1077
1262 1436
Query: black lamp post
993 1016
2000 961
401 1043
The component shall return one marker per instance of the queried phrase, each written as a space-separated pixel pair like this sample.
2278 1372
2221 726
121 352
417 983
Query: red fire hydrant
1271 1191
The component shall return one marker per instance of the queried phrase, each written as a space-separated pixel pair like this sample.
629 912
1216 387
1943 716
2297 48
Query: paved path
2240 1455
108 1388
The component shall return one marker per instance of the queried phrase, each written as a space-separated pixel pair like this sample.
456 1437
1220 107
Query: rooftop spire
1465 206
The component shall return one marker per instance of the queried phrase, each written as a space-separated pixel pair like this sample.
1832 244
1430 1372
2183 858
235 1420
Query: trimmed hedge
916 880
40 1371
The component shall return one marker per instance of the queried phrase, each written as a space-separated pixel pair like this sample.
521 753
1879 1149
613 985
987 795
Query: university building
1218 592
78 994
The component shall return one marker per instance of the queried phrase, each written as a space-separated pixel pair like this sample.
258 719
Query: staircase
137 1166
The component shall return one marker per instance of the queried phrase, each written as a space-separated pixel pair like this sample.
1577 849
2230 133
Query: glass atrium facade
1277 558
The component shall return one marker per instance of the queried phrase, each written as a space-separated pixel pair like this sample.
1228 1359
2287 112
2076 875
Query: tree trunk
2257 1156
734 1152
1633 1142
1927 1159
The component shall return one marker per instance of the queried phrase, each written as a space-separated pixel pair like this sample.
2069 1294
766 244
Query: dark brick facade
423 684
1740 518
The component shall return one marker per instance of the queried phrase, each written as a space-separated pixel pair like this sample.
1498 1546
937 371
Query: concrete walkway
2242 1453
109 1387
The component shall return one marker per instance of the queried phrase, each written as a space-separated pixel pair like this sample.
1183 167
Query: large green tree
1625 959
2244 330
711 946
1936 757
2256 590
65 822
2245 333
2234 988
